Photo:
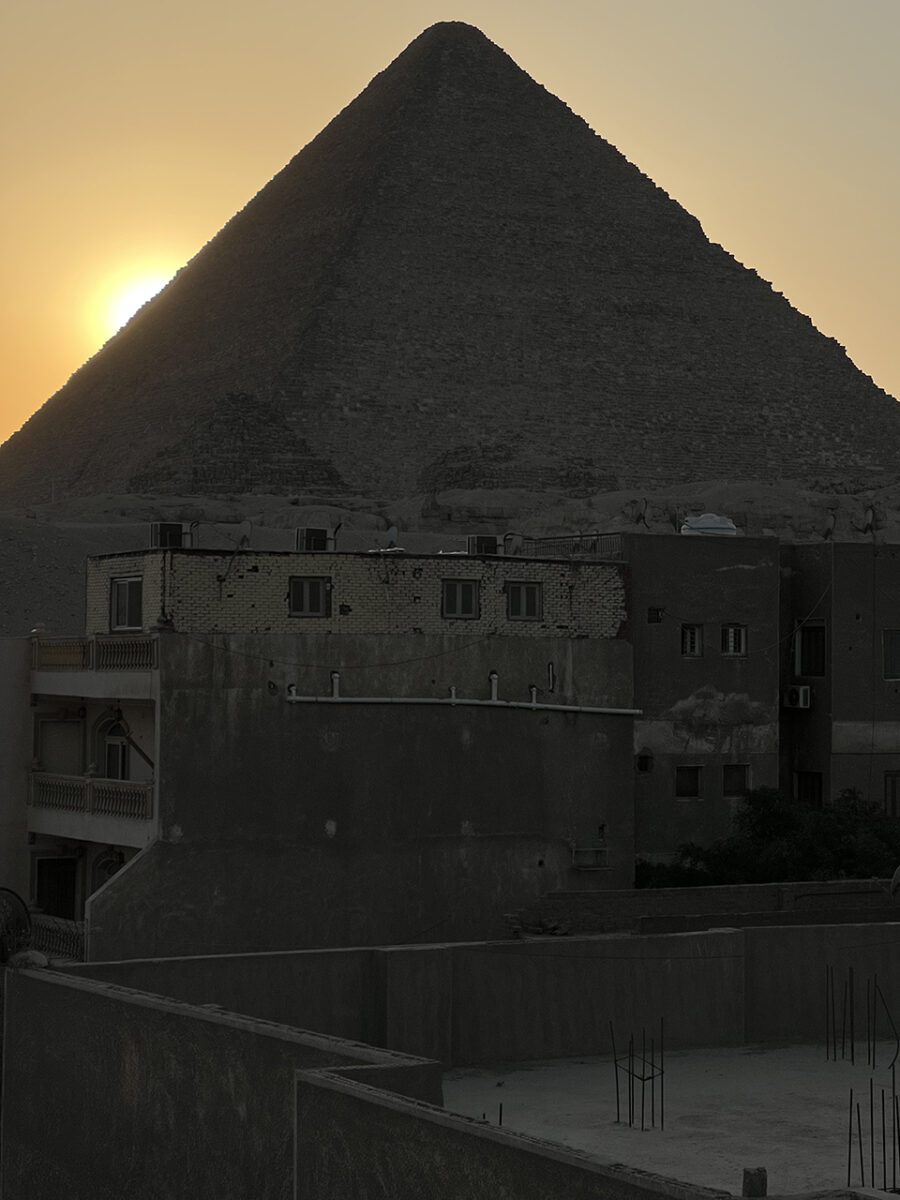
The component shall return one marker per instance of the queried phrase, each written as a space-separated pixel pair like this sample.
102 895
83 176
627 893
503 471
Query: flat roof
783 1108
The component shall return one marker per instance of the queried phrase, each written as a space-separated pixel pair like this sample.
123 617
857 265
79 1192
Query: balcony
120 798
102 652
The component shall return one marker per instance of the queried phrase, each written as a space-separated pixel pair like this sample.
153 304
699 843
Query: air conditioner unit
797 696
170 535
315 539
483 543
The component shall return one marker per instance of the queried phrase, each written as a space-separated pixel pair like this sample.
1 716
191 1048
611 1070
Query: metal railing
103 797
101 652
604 546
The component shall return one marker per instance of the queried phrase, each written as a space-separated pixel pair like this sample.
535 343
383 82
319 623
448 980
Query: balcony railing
57 938
103 652
102 797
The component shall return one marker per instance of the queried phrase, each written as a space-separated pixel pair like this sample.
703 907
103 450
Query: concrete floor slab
782 1108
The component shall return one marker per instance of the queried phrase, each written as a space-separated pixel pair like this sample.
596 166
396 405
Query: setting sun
126 299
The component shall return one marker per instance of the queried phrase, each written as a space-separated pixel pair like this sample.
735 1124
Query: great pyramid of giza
457 284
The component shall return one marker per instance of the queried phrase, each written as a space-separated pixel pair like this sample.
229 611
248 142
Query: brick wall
249 592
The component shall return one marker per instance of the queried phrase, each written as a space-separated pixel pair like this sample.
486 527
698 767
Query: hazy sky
132 132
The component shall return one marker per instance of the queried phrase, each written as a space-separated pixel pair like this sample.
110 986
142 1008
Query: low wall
632 910
786 978
336 992
110 1092
403 1150
470 1003
545 998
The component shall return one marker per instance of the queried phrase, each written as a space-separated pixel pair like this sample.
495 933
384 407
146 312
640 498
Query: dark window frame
126 603
517 594
684 791
453 599
301 603
691 640
890 653
729 791
733 632
810 654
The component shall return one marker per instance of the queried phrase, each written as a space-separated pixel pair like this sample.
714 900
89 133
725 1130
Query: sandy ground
785 1109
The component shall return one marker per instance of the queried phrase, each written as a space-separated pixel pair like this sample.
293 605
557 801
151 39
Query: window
809 788
735 779
460 598
687 783
115 748
734 640
126 603
692 641
524 601
890 644
809 650
310 596
892 793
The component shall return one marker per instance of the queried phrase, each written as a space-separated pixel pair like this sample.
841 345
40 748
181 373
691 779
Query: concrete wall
248 592
582 912
710 709
403 1150
492 1001
15 760
301 825
109 1092
785 978
477 1002
807 594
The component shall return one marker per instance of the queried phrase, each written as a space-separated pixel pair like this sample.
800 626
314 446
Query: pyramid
457 284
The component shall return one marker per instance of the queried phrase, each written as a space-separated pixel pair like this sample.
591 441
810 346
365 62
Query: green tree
778 840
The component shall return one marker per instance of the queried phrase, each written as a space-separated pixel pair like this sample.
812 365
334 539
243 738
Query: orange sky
131 133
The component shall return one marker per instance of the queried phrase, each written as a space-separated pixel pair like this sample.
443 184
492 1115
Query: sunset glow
127 298
773 123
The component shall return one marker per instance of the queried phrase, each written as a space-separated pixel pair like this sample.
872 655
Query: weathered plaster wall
15 760
334 824
707 710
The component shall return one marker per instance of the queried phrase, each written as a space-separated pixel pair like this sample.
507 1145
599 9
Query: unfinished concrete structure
321 1071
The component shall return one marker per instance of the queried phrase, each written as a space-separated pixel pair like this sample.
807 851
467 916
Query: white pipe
573 708
495 683
335 685
533 690
452 693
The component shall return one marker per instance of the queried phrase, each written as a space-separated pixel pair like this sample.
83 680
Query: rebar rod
862 1169
662 1079
883 1147
850 1138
